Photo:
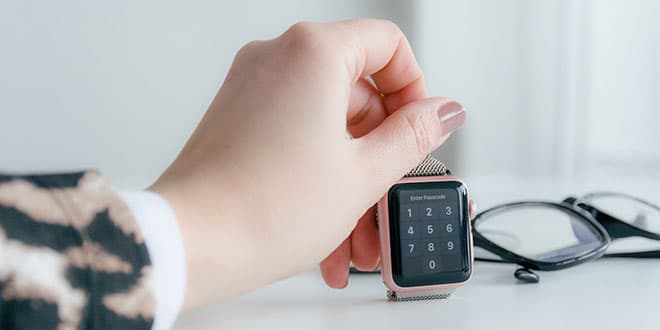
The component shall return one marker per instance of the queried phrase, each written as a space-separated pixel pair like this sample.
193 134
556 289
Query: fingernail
452 116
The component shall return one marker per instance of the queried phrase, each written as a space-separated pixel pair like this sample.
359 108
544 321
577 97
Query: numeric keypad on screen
429 234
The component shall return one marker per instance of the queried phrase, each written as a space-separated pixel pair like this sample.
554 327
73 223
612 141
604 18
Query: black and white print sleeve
72 256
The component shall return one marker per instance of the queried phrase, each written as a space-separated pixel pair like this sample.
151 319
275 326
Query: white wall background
558 89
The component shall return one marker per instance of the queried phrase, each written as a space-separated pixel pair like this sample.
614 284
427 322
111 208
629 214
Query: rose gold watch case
385 250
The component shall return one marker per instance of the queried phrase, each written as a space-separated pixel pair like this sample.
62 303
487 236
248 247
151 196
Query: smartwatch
425 236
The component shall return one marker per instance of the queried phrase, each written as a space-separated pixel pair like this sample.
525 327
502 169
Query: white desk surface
604 294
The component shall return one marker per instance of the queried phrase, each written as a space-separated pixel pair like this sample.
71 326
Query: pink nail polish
452 116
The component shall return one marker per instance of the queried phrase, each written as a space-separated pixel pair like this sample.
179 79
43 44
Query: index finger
381 50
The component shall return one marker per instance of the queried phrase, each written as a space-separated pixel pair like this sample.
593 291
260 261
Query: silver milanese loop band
420 295
430 166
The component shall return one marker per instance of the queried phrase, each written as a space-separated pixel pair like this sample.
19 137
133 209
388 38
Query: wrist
220 254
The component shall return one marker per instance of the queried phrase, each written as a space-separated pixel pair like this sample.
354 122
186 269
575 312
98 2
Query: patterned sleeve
71 256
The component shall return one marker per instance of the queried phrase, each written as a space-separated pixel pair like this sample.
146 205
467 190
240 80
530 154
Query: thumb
406 137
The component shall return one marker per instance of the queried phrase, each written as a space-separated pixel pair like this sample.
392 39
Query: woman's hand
271 182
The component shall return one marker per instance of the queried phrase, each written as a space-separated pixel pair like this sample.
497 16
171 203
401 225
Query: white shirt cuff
161 233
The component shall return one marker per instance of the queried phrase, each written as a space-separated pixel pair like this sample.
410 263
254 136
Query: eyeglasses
546 236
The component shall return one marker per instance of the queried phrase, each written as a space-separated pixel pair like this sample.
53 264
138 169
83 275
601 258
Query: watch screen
429 233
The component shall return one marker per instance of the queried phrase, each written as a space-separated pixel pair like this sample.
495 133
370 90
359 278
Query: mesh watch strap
419 295
430 166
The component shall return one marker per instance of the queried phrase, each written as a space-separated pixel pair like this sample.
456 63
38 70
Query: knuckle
419 132
300 29
248 49
392 26
305 38
301 34
389 26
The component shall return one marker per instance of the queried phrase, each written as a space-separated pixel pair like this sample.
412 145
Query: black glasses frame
508 256
604 224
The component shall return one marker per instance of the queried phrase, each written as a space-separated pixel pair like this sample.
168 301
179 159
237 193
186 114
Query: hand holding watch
425 234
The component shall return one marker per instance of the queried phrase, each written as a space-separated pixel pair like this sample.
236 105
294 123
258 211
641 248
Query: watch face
429 233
